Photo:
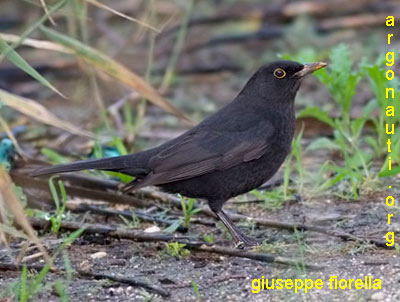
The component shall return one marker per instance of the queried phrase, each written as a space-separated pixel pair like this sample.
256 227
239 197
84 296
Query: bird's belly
222 185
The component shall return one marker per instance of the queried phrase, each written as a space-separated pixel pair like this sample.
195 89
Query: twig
113 232
41 184
116 107
306 227
18 267
161 237
127 280
209 282
376 262
104 184
83 207
164 197
96 186
298 227
31 257
255 256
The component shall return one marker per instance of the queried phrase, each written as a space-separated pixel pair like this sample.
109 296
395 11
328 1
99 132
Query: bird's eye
279 73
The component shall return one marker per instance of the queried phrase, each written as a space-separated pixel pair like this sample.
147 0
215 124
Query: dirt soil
224 278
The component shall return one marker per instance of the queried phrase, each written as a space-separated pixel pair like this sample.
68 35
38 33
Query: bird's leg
238 236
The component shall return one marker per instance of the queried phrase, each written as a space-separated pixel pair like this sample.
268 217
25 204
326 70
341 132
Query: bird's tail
111 164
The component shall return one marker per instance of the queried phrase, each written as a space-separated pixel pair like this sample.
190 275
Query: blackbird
231 152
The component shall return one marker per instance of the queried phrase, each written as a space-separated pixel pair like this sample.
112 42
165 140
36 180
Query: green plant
296 154
60 205
53 156
61 290
300 265
209 238
176 249
30 285
119 144
134 222
188 210
148 297
342 177
379 84
196 290
276 247
98 152
173 226
357 247
273 199
341 78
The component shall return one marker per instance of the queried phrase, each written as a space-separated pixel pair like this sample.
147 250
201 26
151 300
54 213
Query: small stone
111 292
152 229
98 255
377 296
85 265
120 290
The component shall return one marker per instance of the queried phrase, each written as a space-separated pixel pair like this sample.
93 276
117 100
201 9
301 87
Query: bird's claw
246 242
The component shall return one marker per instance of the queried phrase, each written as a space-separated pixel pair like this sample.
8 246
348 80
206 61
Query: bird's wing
204 151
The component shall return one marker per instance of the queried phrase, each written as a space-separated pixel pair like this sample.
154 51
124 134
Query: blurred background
197 54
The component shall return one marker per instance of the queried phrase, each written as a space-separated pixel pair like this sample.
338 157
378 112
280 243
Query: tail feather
110 164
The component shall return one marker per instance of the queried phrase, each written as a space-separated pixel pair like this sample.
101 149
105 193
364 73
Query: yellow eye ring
279 73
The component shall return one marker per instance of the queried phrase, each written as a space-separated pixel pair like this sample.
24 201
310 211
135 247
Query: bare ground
224 278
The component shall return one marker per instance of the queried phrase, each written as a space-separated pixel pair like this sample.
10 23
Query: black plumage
229 153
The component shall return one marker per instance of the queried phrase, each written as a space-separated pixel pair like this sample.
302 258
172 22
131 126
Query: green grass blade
23 294
61 291
38 280
196 290
394 171
20 62
54 193
53 157
318 114
71 238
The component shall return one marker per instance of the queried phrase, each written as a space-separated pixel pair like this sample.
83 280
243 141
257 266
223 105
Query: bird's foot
246 242
241 240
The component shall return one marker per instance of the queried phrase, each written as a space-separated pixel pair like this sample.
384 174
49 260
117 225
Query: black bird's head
280 80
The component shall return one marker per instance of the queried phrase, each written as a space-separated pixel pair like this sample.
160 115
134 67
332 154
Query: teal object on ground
110 152
7 153
106 151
